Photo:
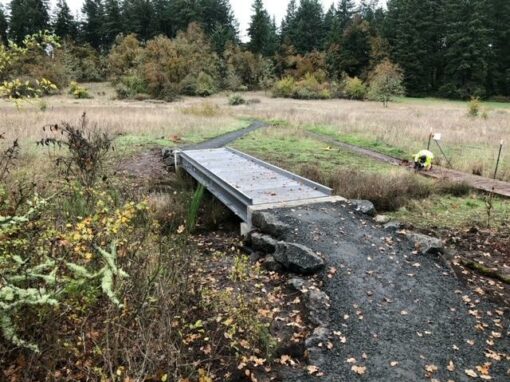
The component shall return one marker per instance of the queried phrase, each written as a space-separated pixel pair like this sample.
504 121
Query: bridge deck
241 181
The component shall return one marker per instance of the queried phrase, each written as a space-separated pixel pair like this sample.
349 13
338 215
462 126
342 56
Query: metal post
442 152
499 157
430 139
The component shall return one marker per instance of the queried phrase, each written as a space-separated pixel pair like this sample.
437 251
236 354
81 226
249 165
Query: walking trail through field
395 315
477 182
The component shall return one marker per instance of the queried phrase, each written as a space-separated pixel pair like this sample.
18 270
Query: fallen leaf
359 369
431 368
471 373
451 366
393 363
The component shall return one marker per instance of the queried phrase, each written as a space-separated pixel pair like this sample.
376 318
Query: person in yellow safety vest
423 160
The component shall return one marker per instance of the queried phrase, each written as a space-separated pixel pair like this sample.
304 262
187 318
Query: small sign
436 137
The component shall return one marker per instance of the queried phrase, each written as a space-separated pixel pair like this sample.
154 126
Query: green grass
446 211
132 142
289 148
358 140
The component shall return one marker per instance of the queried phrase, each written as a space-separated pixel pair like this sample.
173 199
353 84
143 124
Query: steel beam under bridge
244 183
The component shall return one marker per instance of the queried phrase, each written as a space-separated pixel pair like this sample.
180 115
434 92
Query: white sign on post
436 137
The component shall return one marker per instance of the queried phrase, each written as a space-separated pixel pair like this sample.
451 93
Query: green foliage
236 99
82 62
474 107
386 82
78 91
193 209
355 88
307 88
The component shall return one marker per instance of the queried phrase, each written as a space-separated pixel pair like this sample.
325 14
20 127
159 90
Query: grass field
399 130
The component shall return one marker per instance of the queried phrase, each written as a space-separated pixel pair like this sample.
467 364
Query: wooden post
499 157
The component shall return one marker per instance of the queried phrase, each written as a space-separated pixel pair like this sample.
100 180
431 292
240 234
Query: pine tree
28 17
64 24
356 48
261 30
3 27
288 24
217 20
308 26
92 26
498 17
346 10
112 26
331 26
467 49
415 31
139 18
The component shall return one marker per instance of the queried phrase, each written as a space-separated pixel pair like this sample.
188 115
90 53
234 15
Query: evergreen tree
416 33
467 49
64 24
308 26
346 10
356 48
261 31
3 27
288 24
112 26
92 26
181 13
139 18
27 17
498 17
331 26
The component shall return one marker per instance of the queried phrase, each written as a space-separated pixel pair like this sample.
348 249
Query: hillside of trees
447 48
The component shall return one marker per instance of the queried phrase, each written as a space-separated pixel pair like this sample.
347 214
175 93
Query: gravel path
400 315
225 139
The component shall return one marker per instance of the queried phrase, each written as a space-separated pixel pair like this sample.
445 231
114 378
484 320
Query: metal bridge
244 183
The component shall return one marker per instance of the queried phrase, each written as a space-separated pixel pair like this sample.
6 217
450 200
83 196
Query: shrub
82 62
124 56
78 91
284 87
474 106
235 100
355 88
130 86
386 81
205 85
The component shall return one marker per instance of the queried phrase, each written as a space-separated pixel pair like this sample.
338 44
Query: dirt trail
400 313
478 182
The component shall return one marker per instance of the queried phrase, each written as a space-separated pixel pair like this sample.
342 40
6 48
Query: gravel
399 312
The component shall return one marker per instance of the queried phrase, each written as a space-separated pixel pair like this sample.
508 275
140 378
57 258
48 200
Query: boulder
262 243
426 244
298 258
271 264
317 302
268 223
364 206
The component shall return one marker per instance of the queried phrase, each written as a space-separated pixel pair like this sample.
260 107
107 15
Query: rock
393 226
320 335
317 302
426 244
298 258
382 219
269 224
365 207
263 243
271 264
298 284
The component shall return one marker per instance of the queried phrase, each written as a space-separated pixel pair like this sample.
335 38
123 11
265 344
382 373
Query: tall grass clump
194 207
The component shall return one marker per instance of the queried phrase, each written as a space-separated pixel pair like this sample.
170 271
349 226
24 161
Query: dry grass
471 143
118 117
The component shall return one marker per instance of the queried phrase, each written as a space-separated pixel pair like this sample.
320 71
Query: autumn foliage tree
386 82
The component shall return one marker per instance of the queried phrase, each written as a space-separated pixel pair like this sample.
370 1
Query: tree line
450 48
